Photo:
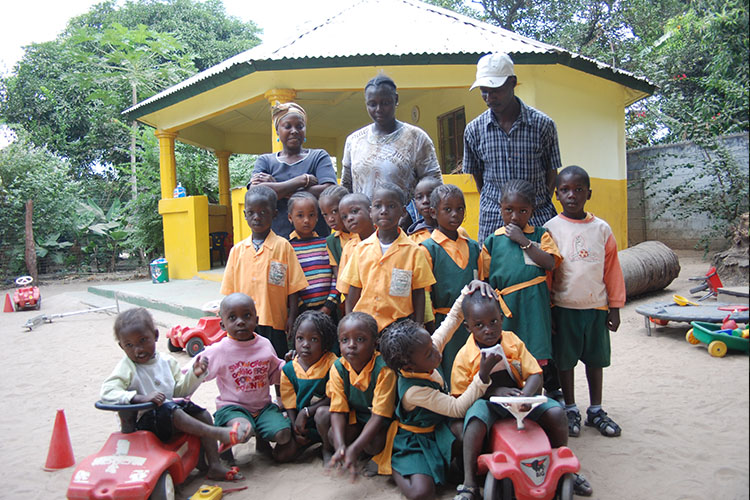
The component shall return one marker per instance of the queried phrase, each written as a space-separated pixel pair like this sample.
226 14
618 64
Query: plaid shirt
527 152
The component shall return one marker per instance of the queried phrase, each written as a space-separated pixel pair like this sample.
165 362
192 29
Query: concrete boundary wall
644 165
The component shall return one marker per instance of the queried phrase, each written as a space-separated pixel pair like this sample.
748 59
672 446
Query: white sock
594 408
572 407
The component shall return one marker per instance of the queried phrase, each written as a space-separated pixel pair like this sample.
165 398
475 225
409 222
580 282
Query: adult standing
294 168
387 150
509 141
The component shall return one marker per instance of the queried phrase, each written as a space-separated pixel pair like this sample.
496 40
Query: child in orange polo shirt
329 202
387 273
422 229
355 215
455 260
362 392
265 267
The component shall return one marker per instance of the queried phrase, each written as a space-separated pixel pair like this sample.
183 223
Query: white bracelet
307 412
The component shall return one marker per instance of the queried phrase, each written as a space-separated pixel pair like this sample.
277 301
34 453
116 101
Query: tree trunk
133 131
30 248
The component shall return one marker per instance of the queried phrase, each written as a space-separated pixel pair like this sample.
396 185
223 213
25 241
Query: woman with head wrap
387 150
294 168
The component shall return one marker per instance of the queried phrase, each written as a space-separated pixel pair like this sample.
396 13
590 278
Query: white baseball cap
493 70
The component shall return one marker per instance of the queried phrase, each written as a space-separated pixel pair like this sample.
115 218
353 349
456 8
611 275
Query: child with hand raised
145 375
245 366
516 259
426 439
304 379
362 392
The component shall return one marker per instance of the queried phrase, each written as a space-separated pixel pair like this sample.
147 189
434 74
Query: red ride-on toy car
522 465
136 465
25 296
193 339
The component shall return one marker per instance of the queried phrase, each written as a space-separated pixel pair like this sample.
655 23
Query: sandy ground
684 413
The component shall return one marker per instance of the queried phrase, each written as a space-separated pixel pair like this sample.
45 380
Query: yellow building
431 54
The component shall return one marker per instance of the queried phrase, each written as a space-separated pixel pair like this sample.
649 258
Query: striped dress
313 257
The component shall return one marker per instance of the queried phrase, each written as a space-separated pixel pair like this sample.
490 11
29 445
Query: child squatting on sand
304 379
427 438
145 375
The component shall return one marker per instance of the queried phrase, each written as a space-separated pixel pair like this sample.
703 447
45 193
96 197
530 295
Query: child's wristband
307 412
527 246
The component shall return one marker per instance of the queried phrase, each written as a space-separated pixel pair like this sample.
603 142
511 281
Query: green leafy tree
136 62
29 172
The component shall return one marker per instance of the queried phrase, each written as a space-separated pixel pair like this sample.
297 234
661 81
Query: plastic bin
159 270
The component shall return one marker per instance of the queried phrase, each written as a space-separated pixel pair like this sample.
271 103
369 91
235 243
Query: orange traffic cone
60 453
8 304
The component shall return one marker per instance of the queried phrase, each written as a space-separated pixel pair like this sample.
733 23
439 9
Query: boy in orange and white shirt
588 291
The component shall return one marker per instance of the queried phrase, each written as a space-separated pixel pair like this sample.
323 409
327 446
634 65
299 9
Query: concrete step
181 297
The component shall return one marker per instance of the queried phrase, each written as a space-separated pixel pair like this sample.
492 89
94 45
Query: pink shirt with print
244 371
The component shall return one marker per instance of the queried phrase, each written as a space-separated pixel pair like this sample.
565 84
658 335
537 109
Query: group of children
390 336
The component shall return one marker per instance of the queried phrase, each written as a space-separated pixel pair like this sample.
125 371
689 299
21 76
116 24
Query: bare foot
327 454
220 473
263 447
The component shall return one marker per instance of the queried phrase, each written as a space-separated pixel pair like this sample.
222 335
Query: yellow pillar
186 244
167 163
278 96
225 197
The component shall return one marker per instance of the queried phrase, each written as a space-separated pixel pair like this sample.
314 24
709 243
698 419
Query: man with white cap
509 141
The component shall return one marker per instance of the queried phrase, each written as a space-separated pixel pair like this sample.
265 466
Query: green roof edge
237 71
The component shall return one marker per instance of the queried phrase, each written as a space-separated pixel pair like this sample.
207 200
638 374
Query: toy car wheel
194 346
164 489
38 304
717 348
497 489
565 487
691 338
172 347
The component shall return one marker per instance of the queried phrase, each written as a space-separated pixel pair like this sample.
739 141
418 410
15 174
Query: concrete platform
181 297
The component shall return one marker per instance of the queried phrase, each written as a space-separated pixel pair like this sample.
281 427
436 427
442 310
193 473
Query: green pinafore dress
530 306
360 402
428 452
308 391
450 281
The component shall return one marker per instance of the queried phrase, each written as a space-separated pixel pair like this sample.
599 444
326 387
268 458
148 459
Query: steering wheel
24 280
127 407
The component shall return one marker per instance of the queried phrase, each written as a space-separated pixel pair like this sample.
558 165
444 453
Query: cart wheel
194 346
495 489
164 489
660 322
38 304
691 338
565 487
717 348
172 347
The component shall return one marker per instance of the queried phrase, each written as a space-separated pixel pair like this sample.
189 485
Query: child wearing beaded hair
426 439
516 259
455 260
304 379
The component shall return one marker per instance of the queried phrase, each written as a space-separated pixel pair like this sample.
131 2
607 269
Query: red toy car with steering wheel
25 296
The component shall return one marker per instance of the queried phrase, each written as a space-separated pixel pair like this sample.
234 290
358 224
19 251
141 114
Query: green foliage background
74 156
